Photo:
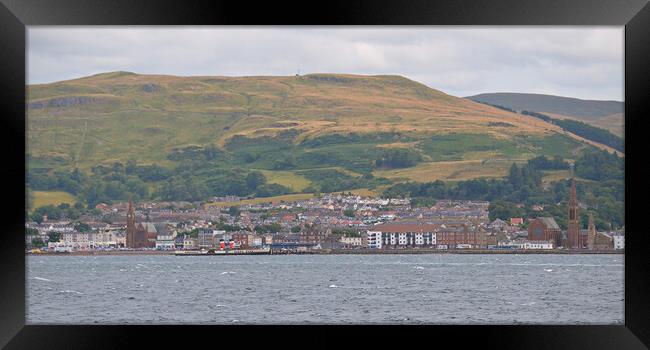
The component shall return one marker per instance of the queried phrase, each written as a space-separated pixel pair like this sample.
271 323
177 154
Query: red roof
516 221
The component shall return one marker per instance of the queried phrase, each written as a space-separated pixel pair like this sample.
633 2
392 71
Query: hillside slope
282 126
604 114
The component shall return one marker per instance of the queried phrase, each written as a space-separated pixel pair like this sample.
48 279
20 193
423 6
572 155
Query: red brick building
313 235
574 239
136 235
242 239
545 229
464 236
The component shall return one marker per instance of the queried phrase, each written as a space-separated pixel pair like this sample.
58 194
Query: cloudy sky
582 62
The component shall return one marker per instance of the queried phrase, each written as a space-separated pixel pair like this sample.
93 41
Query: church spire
573 196
573 224
591 233
130 225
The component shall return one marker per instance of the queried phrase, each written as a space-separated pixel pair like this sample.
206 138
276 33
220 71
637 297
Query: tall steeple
591 235
130 226
573 224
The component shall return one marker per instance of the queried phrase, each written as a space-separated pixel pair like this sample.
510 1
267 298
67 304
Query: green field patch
450 171
43 198
288 179
332 180
452 147
554 145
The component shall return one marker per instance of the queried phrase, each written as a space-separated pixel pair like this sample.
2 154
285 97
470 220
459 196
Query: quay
285 251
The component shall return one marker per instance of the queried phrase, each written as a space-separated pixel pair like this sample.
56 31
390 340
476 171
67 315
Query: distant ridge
600 113
588 109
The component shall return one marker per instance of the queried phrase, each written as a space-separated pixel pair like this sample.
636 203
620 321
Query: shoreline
339 252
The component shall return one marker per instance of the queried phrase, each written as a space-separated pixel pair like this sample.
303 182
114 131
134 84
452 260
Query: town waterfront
326 289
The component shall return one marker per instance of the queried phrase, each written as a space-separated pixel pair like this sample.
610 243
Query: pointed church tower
591 235
130 226
573 225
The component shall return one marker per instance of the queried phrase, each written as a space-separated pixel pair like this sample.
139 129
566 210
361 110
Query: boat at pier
261 251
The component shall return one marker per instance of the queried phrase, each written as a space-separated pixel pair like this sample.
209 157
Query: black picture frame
15 15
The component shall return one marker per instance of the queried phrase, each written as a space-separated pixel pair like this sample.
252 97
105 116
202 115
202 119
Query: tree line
518 194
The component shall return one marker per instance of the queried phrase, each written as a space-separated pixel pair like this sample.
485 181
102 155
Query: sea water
326 289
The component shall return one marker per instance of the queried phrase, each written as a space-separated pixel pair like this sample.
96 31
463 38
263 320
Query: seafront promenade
334 251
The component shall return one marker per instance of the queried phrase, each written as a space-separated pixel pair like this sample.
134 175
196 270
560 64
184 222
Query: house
619 241
498 224
190 243
254 241
267 239
166 238
313 235
241 239
349 242
205 237
79 241
493 238
178 242
516 221
103 238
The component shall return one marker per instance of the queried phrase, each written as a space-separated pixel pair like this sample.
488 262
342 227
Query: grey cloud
584 62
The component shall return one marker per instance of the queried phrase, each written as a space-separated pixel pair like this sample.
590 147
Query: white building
76 240
402 235
166 241
255 241
351 241
190 243
619 242
374 239
104 239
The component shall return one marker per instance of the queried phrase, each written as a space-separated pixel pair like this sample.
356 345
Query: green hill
603 114
317 132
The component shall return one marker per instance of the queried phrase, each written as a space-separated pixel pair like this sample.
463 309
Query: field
289 179
450 171
43 198
366 192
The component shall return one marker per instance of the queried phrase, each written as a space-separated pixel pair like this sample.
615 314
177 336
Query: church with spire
136 235
574 236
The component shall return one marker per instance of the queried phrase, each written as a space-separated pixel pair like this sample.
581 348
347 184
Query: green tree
255 179
82 227
131 166
37 242
234 211
53 236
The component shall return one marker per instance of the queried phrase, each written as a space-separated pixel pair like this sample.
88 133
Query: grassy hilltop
298 131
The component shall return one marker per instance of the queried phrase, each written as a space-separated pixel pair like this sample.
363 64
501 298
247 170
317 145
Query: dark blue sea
326 289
